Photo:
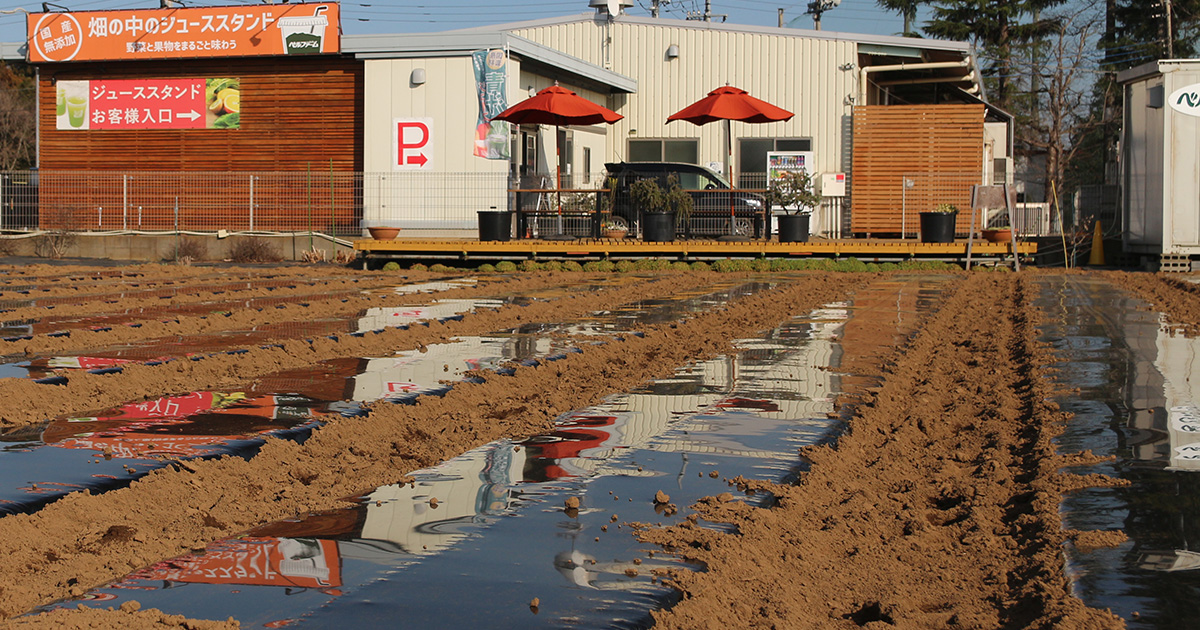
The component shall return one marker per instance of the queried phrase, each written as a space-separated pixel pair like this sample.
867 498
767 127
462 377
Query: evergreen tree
995 27
907 9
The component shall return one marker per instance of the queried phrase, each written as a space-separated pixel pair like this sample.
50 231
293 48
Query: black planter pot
938 227
658 227
495 225
793 228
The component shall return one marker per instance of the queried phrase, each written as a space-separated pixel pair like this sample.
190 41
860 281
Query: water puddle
1137 401
111 448
498 535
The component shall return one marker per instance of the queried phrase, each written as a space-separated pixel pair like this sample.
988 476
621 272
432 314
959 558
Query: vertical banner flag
491 137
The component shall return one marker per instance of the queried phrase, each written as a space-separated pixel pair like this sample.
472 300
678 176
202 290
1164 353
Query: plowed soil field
936 508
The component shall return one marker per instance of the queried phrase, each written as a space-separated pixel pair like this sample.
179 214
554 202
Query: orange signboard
241 31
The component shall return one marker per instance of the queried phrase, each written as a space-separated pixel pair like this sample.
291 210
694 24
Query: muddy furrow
66 283
938 507
1177 299
85 540
160 301
85 392
282 321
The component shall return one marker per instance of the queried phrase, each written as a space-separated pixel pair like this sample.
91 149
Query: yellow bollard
1097 256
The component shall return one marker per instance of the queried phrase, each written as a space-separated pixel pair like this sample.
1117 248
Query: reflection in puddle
470 542
1135 400
139 435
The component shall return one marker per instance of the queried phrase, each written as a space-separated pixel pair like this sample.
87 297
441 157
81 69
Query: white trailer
1160 162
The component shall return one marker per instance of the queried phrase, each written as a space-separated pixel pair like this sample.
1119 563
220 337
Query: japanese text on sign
148 104
189 32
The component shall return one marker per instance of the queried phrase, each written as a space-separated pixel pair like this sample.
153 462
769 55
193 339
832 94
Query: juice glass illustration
76 110
303 35
62 101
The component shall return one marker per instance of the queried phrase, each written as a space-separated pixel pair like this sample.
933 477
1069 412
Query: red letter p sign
411 149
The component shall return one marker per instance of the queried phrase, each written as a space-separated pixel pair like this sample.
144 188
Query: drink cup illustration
76 110
303 35
62 101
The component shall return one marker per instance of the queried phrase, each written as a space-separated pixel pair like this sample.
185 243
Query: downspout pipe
864 72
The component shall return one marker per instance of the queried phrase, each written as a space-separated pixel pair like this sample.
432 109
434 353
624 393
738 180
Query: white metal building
645 69
1160 159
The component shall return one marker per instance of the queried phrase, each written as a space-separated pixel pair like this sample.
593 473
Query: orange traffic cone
1096 258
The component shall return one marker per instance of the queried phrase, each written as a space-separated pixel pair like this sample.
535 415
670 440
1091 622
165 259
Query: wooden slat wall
939 146
297 114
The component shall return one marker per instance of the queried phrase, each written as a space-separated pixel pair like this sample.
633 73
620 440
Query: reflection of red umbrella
557 106
729 103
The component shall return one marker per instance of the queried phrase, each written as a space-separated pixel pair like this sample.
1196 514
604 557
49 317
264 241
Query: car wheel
743 227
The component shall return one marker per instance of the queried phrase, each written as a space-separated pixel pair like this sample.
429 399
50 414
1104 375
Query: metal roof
12 51
880 40
549 61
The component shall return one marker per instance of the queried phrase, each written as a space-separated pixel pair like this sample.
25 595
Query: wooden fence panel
940 148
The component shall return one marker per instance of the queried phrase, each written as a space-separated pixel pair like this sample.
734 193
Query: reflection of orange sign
276 29
305 562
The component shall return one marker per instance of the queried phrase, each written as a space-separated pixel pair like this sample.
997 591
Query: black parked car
710 193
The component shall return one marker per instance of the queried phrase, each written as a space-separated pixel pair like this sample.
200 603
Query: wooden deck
872 250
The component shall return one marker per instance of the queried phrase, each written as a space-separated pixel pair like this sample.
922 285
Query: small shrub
254 250
419 267
888 266
54 244
530 265
700 265
760 264
391 265
571 265
188 250
652 264
725 265
552 265
487 268
506 266
679 265
624 266
440 268
606 266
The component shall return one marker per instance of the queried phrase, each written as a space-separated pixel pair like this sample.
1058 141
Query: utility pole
1170 31
781 18
817 7
654 9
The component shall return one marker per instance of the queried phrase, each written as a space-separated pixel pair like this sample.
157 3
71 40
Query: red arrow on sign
412 136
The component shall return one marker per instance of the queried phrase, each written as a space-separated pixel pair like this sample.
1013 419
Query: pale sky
414 16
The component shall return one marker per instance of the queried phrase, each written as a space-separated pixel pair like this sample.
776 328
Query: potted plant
938 226
793 193
998 234
661 209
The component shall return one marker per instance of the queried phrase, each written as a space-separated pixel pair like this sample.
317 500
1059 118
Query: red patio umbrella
557 106
729 103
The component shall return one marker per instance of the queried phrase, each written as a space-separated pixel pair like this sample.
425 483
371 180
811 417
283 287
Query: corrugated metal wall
797 73
941 144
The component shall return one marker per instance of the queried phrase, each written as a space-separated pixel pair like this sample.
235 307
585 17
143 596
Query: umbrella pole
732 235
561 235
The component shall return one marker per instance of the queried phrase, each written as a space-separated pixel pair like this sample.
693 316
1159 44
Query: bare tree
18 136
1064 68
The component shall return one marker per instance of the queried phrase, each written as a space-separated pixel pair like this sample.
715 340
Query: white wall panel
797 73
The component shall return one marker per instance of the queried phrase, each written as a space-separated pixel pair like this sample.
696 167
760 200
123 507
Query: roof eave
463 43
